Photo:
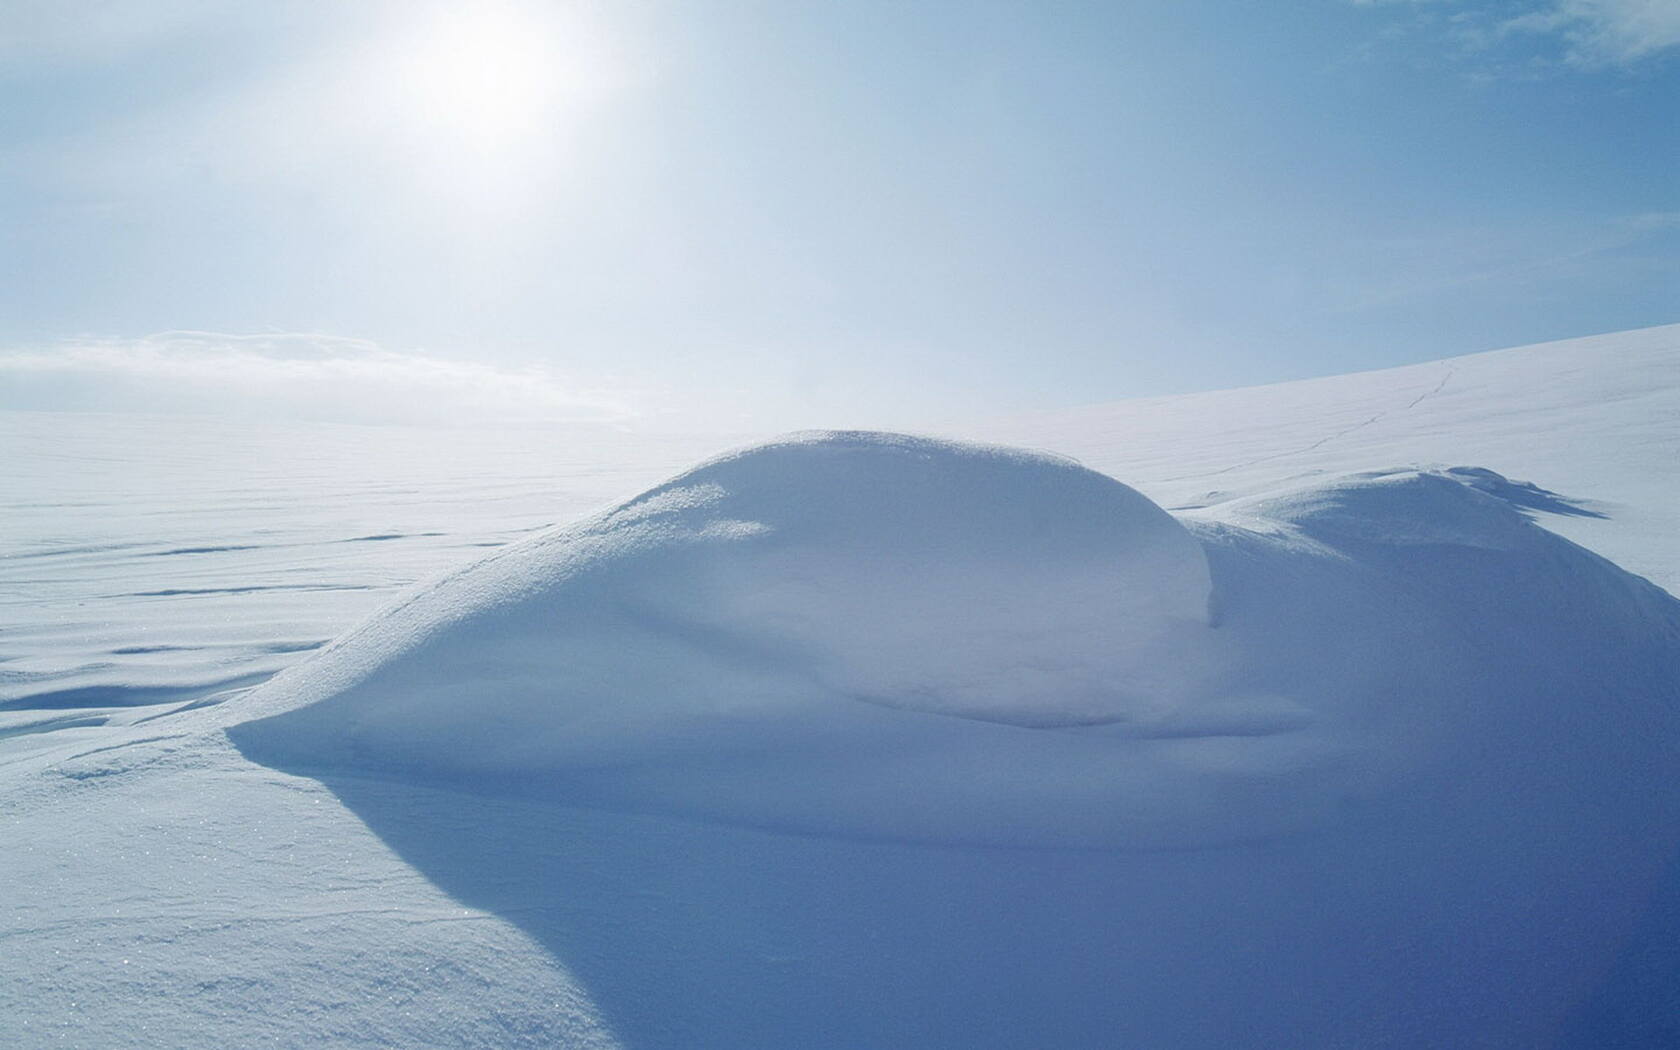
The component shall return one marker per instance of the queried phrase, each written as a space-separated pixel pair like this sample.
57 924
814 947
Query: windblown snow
854 739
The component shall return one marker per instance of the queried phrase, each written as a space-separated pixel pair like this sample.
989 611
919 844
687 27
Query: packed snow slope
1366 739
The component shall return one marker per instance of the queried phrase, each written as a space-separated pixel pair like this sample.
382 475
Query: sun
465 86
487 75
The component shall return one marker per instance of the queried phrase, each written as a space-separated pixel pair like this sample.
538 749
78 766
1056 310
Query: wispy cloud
1606 32
291 376
1590 34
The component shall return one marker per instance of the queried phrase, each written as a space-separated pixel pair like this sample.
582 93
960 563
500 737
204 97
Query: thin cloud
1587 34
1607 32
291 376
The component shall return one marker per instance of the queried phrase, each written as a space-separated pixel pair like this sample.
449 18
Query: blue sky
781 214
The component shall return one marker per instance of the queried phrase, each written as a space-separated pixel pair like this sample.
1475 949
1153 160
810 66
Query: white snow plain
856 740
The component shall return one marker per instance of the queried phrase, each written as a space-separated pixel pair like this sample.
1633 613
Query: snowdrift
877 636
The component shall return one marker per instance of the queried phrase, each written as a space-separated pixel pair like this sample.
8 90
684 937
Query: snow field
1357 751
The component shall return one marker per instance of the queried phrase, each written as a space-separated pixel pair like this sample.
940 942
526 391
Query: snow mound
956 579
1457 507
883 636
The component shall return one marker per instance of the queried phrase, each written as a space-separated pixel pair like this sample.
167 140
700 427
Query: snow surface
1353 753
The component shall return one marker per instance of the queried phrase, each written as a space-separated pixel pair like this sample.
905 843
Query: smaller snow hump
1524 494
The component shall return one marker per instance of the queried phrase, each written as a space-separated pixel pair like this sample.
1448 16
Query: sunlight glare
478 92
485 78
